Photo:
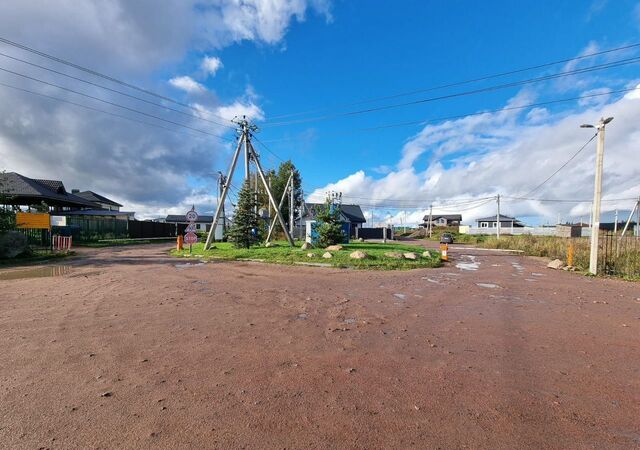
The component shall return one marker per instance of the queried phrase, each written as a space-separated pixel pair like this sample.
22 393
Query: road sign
191 216
191 228
190 238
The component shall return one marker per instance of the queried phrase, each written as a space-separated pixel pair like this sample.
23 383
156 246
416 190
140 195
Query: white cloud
211 64
187 84
507 154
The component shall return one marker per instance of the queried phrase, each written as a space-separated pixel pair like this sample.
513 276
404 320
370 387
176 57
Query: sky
350 91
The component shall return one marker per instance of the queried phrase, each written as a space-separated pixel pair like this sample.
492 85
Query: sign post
190 236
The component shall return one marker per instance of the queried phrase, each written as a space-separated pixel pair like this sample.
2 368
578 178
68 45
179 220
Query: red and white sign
191 228
190 238
191 216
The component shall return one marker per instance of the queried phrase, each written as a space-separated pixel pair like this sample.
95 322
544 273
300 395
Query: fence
92 229
514 231
619 255
141 229
374 233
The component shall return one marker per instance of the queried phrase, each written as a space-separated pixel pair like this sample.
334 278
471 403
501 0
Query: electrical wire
460 83
561 167
110 103
457 94
98 74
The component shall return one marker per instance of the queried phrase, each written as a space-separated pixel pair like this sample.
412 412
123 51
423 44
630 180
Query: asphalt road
130 348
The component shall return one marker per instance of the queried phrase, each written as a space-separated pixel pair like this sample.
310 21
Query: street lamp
597 193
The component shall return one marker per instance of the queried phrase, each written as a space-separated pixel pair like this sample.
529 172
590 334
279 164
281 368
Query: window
484 224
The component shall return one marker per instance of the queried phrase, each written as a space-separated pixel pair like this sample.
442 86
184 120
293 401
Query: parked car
446 238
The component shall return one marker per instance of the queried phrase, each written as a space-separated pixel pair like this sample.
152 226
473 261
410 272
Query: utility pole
430 219
615 223
221 182
498 217
597 194
291 204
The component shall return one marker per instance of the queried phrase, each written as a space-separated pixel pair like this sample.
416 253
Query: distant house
443 220
25 191
351 214
505 222
101 201
202 224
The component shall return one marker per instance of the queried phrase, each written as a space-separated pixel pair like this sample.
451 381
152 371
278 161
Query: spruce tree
245 230
329 226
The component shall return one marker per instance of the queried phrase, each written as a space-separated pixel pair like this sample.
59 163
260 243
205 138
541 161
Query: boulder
268 244
358 255
394 255
555 264
306 246
360 239
12 244
311 255
327 255
426 254
334 248
410 255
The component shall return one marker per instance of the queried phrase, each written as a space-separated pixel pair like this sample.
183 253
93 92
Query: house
101 201
505 222
443 220
25 191
351 214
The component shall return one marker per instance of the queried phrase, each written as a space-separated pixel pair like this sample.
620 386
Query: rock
334 248
555 264
106 394
360 239
426 254
394 255
12 244
410 255
311 255
358 255
327 255
306 246
268 244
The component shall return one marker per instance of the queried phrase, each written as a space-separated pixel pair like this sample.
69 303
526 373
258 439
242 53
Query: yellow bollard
179 243
443 252
570 251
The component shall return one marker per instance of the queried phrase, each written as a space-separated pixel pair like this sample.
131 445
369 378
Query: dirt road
129 348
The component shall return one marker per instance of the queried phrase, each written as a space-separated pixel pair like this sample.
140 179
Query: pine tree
245 230
329 226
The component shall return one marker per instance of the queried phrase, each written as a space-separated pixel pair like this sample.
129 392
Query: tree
246 229
329 226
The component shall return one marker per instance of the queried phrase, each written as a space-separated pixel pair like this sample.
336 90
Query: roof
457 217
503 218
93 197
96 212
28 191
352 213
180 218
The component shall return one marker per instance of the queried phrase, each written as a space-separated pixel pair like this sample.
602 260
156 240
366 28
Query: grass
281 253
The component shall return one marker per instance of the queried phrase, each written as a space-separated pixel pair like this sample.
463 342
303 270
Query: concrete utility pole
222 180
615 223
430 219
597 194
498 217
291 204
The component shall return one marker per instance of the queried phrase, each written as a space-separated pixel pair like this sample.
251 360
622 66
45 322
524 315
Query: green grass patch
282 253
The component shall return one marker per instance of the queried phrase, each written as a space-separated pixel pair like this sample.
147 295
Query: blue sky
294 56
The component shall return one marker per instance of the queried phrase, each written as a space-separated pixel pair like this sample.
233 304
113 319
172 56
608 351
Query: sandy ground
127 348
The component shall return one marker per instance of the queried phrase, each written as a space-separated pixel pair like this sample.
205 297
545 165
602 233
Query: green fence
92 229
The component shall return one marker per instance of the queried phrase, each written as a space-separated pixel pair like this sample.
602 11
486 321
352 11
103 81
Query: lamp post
597 193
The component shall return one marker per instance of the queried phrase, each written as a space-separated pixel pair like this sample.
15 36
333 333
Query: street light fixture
597 193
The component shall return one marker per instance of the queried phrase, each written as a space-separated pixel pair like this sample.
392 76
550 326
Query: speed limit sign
191 216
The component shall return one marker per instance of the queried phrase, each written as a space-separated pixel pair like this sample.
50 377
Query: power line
91 108
111 103
462 116
115 91
458 94
561 167
266 148
555 200
98 74
473 80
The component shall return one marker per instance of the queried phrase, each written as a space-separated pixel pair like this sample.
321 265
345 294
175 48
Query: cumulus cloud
145 167
187 84
211 64
507 154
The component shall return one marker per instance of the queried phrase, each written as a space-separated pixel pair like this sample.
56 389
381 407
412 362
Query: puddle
536 274
302 316
431 280
349 321
531 279
518 267
400 296
488 285
35 272
471 265
187 265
